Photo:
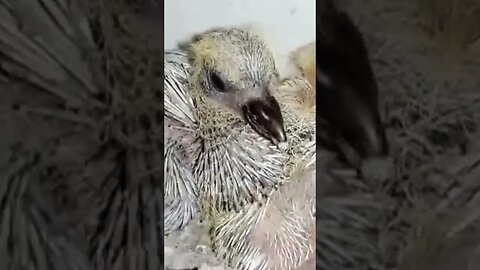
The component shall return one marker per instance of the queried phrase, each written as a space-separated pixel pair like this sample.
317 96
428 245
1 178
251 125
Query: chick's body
223 163
279 231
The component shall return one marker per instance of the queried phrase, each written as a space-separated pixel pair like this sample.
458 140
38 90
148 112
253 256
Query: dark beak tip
282 136
265 117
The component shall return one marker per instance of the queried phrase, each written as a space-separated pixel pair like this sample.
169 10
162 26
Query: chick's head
233 72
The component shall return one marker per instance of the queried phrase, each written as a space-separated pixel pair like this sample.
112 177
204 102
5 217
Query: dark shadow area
423 212
81 127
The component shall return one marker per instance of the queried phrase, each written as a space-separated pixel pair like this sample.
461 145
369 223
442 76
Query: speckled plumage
231 164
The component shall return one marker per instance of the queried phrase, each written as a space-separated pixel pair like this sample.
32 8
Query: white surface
289 24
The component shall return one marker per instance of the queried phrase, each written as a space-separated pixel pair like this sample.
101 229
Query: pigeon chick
222 124
278 232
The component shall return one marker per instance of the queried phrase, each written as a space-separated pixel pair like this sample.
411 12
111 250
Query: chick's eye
217 82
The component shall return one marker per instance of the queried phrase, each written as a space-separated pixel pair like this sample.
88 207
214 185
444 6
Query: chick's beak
265 117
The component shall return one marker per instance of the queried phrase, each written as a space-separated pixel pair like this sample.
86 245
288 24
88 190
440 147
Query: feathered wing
180 186
178 103
181 195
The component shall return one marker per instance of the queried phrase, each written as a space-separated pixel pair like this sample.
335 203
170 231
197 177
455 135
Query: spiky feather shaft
180 187
181 203
278 233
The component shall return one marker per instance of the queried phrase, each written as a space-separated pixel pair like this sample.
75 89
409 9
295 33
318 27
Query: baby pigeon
222 124
278 232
